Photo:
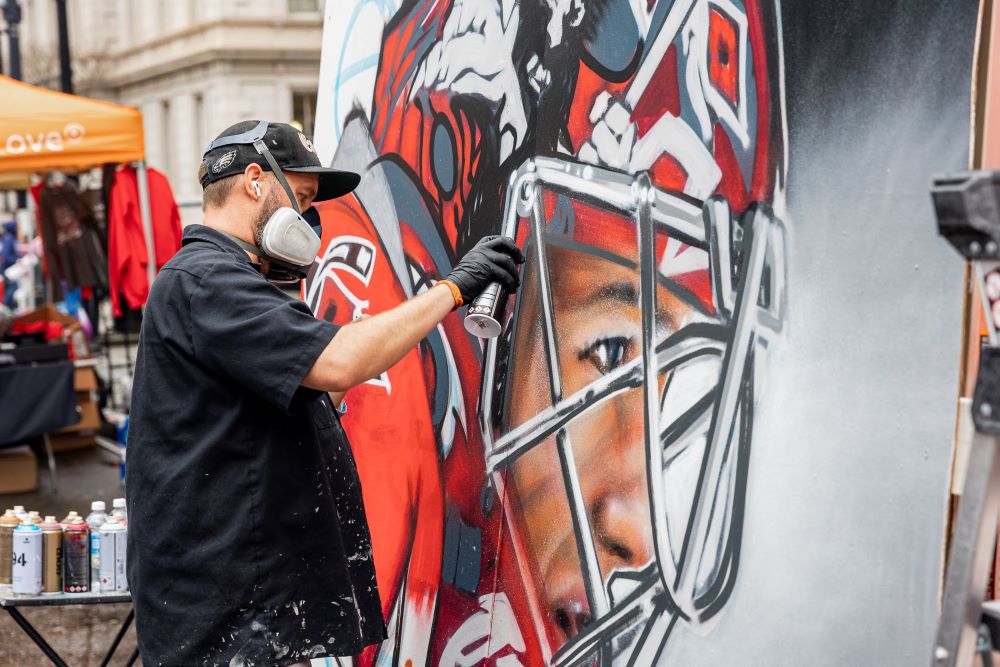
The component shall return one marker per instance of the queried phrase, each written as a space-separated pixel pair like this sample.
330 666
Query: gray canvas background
849 473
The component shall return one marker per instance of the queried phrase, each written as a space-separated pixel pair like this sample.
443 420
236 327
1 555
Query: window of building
297 6
304 112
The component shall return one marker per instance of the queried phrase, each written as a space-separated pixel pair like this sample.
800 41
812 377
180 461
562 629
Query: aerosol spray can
8 522
52 546
487 312
95 520
27 563
113 537
76 556
118 510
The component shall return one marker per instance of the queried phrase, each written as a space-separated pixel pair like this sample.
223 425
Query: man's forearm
366 348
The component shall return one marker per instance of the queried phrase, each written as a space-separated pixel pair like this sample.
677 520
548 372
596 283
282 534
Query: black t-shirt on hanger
71 240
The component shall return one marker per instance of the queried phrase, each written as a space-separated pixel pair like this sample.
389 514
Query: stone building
192 67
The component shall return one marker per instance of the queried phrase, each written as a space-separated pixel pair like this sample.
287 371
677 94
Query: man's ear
251 175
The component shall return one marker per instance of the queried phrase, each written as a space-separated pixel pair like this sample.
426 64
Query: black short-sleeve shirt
248 542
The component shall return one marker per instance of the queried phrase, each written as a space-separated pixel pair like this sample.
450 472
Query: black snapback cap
233 151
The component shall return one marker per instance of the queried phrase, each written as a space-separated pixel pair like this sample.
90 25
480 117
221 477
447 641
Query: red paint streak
723 55
667 173
662 95
769 145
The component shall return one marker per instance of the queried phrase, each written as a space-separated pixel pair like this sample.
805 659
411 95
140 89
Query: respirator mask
291 239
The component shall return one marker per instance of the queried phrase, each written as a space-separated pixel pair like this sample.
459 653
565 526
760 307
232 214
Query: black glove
493 259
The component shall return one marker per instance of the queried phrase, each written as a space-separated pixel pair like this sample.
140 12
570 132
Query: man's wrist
455 292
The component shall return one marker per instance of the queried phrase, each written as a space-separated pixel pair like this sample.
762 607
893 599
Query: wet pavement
82 475
80 635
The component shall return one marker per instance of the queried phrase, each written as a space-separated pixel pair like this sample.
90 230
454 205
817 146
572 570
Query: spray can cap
49 518
118 503
33 513
26 521
18 509
98 506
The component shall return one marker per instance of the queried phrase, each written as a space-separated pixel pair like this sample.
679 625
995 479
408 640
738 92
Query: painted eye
607 354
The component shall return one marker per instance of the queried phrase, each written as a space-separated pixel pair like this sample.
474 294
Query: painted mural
572 491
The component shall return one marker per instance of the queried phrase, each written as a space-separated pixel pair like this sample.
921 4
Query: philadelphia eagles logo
305 142
223 162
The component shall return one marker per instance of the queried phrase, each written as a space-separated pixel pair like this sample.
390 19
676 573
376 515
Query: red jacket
127 256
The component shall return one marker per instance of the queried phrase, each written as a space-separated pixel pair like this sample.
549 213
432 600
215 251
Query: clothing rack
107 327
108 339
147 217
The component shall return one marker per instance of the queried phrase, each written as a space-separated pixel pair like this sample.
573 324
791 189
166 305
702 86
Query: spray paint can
76 557
27 563
52 546
118 510
487 311
95 520
8 522
113 538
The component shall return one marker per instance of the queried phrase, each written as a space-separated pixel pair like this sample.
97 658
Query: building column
152 127
186 156
124 26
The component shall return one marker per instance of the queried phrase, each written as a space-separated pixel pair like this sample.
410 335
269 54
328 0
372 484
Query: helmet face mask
626 370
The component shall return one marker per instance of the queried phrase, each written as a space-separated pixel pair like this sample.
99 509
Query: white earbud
256 187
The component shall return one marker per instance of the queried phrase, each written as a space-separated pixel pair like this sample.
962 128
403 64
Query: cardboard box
90 418
18 470
65 442
84 379
81 434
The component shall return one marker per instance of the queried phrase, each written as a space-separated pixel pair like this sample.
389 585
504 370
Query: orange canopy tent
44 130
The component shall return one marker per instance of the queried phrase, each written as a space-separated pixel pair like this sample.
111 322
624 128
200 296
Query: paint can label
52 567
95 559
27 562
6 553
76 562
121 583
113 561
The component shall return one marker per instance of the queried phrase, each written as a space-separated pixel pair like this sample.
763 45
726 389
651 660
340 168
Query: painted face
599 329
618 437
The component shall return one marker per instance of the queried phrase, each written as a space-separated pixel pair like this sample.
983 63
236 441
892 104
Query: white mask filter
289 238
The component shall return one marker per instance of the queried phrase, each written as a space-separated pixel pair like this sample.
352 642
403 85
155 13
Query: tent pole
147 219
